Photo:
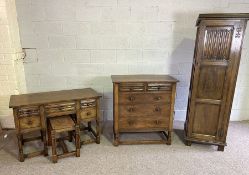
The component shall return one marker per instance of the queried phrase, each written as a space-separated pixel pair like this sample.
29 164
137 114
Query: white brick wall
80 43
11 70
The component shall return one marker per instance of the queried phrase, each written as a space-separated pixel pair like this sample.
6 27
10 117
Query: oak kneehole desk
32 110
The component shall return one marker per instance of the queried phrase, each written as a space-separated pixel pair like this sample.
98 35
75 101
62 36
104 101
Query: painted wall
12 80
80 43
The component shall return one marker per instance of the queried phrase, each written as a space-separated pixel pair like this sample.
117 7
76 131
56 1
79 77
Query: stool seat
63 123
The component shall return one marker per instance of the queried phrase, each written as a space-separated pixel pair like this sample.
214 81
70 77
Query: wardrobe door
215 69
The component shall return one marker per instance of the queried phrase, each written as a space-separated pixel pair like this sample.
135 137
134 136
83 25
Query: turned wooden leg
116 139
97 132
43 135
21 137
169 138
221 148
188 143
54 154
20 146
77 140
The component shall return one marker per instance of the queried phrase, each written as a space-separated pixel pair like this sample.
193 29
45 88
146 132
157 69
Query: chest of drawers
143 103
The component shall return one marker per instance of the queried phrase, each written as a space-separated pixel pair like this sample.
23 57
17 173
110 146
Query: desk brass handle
88 113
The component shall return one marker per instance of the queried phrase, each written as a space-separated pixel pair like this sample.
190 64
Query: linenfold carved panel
217 43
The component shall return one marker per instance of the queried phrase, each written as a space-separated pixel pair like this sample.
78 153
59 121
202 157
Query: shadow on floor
180 134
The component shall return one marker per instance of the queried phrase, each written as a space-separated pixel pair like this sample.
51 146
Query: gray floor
141 159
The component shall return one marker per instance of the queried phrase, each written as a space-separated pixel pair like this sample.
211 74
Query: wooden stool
59 125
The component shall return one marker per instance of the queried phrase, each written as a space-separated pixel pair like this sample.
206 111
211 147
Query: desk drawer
29 117
88 113
63 108
143 123
127 98
144 109
29 122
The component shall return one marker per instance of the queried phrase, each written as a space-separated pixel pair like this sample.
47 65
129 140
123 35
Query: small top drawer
152 87
62 108
132 87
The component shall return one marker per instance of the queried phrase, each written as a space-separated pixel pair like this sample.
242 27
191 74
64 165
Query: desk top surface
142 78
51 97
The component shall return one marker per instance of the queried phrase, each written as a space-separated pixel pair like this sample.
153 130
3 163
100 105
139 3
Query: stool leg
20 146
97 132
49 136
43 135
54 154
70 135
89 126
77 140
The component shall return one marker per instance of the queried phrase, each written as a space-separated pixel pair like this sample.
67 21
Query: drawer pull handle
88 113
131 109
131 98
29 122
157 109
157 98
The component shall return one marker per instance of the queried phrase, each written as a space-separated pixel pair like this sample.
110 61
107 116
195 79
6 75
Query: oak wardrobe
214 72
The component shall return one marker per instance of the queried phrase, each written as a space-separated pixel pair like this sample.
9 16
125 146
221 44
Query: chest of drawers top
143 83
142 78
52 97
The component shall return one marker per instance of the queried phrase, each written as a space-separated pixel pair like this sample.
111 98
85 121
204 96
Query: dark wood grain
215 68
